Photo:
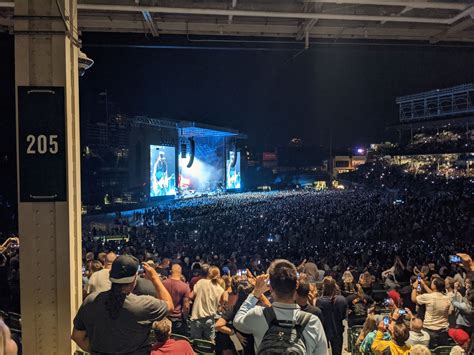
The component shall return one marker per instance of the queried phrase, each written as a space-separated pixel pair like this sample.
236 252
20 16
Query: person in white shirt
437 310
99 281
207 295
251 319
417 334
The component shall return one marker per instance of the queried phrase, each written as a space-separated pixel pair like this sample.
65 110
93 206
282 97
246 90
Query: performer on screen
160 175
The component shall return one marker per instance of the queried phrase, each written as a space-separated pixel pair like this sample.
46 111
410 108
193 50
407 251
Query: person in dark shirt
180 293
118 321
224 326
358 304
302 294
164 268
333 307
144 287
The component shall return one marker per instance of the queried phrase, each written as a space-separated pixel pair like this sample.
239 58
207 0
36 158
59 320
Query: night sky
267 94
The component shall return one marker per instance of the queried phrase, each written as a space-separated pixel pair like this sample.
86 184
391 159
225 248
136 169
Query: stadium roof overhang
419 20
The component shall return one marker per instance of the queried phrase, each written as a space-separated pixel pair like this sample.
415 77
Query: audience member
180 293
437 310
164 344
99 281
207 296
333 307
7 344
105 317
284 317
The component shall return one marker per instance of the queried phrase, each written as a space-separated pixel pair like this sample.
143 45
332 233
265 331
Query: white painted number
31 140
53 144
44 144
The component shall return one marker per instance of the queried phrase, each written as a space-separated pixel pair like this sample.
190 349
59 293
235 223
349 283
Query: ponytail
214 274
115 300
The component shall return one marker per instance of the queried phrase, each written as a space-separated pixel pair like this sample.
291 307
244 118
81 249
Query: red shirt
178 291
181 347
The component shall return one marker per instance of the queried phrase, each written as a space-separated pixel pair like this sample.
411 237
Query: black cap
124 269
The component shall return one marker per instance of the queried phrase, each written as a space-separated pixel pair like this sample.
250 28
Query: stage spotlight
192 148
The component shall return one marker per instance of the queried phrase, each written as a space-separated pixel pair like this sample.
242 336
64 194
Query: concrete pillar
50 223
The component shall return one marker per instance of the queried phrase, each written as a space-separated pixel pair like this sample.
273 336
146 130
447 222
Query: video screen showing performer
162 171
233 171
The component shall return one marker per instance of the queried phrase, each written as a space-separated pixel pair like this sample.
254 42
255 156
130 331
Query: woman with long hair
366 280
358 304
333 307
208 295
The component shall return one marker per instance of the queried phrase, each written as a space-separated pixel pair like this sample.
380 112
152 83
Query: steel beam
150 24
454 29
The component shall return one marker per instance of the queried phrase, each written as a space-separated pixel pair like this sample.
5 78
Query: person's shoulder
200 282
92 297
143 300
101 273
314 322
183 346
351 297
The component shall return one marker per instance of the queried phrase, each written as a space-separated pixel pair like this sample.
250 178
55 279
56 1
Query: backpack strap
301 322
270 316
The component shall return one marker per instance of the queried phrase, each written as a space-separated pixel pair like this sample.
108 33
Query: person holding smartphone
399 333
437 310
118 321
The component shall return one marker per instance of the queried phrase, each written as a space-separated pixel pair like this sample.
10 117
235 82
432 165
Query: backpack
284 336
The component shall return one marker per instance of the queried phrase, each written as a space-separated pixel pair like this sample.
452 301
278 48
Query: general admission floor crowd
206 271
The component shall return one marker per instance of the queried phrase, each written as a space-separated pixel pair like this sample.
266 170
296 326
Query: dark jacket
334 312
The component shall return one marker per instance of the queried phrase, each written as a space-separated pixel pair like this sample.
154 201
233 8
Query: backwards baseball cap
459 336
124 269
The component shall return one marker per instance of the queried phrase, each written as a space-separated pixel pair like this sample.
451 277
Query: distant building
346 163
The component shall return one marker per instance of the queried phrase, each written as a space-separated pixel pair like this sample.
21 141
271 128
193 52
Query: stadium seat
441 350
379 295
203 347
353 335
180 337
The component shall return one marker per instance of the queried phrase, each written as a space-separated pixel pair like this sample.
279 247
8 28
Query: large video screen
162 171
207 172
233 171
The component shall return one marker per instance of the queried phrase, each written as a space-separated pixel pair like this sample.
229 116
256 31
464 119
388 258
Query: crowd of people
286 309
264 272
218 257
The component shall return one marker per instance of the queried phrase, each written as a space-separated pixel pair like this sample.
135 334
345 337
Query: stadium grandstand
436 133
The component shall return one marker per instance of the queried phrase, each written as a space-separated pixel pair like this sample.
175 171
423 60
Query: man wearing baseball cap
462 340
117 321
